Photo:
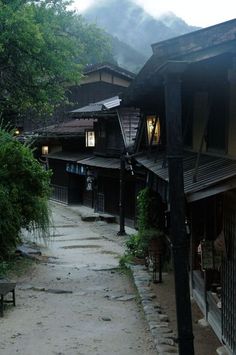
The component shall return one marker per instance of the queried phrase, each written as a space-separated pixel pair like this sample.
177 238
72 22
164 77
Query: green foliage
24 192
150 224
149 235
143 209
133 246
138 244
124 261
4 267
43 48
15 266
150 210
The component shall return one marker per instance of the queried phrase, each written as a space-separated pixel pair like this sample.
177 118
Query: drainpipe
172 74
122 196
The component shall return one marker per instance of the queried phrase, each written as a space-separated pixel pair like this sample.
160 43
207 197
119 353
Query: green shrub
150 223
125 260
15 266
3 268
24 193
148 235
133 246
137 245
143 205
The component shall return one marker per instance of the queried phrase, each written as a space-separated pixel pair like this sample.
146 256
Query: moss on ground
15 267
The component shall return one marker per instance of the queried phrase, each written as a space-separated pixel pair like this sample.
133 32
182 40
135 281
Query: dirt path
98 314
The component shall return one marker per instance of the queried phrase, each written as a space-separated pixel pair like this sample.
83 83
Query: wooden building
115 130
100 81
189 86
84 154
59 149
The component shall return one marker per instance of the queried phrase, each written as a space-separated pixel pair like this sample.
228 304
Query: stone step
107 218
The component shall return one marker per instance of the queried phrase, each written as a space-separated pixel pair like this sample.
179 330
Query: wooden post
172 74
122 196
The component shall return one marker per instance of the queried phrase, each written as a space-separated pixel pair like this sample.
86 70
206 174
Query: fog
192 14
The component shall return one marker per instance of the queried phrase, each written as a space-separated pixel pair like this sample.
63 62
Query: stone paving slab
87 214
163 337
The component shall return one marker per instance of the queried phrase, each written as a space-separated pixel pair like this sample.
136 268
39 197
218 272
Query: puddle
109 252
77 239
92 238
81 246
67 226
54 262
106 268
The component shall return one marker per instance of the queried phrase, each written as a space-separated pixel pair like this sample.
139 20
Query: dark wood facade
92 92
115 132
99 81
109 140
83 175
67 187
204 63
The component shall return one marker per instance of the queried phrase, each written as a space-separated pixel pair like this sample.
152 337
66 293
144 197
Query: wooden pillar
122 196
172 75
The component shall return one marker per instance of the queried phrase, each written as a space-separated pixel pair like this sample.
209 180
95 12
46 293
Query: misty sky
201 13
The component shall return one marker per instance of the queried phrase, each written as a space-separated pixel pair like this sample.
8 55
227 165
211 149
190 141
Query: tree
43 48
24 192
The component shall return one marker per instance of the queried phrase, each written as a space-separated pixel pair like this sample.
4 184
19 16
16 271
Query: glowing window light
45 150
90 139
150 127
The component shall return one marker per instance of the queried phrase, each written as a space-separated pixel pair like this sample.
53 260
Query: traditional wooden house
59 148
100 81
115 130
69 141
187 93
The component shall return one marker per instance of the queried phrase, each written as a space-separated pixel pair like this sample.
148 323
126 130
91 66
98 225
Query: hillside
131 26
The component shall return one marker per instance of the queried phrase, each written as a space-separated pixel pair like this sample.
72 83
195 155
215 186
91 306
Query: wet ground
77 302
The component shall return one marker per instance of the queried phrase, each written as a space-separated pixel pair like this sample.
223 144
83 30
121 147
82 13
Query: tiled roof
72 127
68 156
191 47
102 105
111 67
211 171
100 162
129 118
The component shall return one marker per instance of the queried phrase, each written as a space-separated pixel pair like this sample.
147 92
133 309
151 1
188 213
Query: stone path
163 336
78 302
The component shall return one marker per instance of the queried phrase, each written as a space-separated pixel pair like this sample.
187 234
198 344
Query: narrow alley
76 302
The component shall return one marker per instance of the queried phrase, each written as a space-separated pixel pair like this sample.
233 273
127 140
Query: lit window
153 122
90 138
44 150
